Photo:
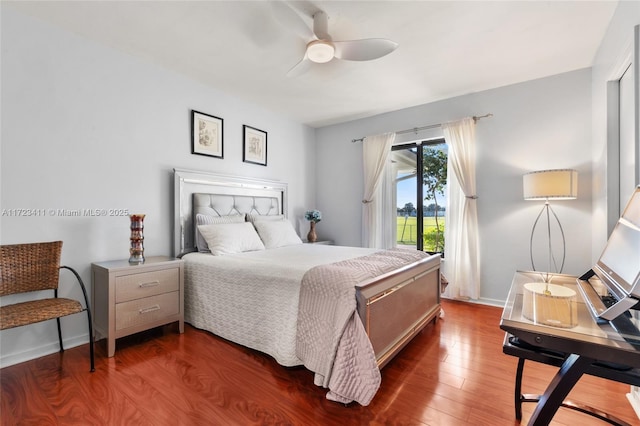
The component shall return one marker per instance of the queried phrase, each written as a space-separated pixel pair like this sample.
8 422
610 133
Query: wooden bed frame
393 307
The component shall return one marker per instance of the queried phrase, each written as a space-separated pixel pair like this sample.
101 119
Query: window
420 197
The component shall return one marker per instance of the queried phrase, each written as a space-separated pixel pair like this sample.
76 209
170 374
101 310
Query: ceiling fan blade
290 19
300 68
364 50
321 25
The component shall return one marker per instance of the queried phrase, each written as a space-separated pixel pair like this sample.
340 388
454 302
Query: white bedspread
252 298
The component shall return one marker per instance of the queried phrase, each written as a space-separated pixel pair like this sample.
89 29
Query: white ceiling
446 48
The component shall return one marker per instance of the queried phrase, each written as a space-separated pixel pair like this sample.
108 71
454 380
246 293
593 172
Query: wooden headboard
213 194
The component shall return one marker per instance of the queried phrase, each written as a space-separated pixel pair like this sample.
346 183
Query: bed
282 298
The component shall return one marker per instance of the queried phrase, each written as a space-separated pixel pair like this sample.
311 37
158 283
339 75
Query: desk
583 349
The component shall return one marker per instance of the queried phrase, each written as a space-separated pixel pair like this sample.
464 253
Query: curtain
378 210
462 264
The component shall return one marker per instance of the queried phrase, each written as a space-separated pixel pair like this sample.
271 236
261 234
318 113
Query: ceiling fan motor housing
320 51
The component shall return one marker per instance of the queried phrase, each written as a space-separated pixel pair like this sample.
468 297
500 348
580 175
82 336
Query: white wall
540 124
86 127
614 50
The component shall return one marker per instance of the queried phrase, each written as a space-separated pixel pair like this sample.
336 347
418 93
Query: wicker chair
35 267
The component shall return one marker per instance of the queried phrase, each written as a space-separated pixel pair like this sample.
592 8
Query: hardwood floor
453 373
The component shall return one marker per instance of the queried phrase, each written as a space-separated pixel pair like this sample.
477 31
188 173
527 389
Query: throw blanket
331 340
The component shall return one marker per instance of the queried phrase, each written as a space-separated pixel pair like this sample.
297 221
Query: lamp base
550 304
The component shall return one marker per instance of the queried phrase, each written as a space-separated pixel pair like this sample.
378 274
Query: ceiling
446 48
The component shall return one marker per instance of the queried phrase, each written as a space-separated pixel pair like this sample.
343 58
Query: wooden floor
453 373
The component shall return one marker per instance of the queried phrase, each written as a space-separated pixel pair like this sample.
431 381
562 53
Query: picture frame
207 134
254 145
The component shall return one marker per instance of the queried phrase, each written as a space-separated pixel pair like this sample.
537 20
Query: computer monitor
619 265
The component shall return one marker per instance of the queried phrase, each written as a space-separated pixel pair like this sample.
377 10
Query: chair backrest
29 267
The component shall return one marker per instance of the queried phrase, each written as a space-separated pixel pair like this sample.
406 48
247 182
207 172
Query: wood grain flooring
453 373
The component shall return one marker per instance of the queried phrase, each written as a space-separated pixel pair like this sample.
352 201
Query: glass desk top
581 334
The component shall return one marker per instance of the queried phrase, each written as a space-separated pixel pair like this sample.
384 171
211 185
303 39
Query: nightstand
128 298
321 242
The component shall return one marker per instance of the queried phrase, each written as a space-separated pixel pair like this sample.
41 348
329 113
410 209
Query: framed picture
254 144
206 134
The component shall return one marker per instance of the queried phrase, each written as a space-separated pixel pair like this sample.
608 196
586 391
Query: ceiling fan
321 47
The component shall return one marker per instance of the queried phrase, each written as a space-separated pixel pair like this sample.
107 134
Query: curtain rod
430 126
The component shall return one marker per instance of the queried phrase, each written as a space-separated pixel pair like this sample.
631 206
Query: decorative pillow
228 238
205 219
260 218
277 233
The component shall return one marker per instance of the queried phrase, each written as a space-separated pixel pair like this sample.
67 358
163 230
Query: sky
407 194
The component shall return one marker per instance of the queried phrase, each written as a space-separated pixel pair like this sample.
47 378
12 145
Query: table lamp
547 303
558 184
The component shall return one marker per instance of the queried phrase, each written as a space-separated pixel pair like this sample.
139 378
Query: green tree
408 209
434 177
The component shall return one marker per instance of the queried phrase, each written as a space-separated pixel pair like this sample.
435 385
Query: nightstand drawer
149 309
145 284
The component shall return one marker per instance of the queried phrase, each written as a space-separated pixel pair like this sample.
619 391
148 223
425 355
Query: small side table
130 298
321 242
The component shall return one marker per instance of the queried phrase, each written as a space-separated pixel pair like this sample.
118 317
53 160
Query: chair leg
91 355
60 335
88 309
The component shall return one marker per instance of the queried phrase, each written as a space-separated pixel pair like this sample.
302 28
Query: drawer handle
149 309
149 284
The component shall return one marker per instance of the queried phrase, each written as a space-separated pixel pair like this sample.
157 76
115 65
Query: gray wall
86 127
540 124
616 45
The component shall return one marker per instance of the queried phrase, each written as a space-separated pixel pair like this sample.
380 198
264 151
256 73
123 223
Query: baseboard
40 351
634 400
491 302
481 301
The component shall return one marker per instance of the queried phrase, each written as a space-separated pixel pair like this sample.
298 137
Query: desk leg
564 380
518 389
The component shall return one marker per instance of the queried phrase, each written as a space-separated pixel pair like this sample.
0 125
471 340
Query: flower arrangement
314 216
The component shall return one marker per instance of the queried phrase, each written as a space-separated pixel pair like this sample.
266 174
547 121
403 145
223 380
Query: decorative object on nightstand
559 184
313 216
137 239
129 298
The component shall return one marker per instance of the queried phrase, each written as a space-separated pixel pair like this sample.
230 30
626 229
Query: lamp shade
559 184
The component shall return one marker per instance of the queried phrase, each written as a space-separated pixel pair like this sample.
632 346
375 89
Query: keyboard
608 300
597 304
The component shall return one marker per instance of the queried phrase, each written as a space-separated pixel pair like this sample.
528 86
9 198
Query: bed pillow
260 218
221 237
205 219
276 234
228 238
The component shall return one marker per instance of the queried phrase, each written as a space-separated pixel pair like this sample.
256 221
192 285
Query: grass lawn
407 229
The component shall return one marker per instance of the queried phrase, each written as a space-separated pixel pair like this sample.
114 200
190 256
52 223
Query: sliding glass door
420 170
